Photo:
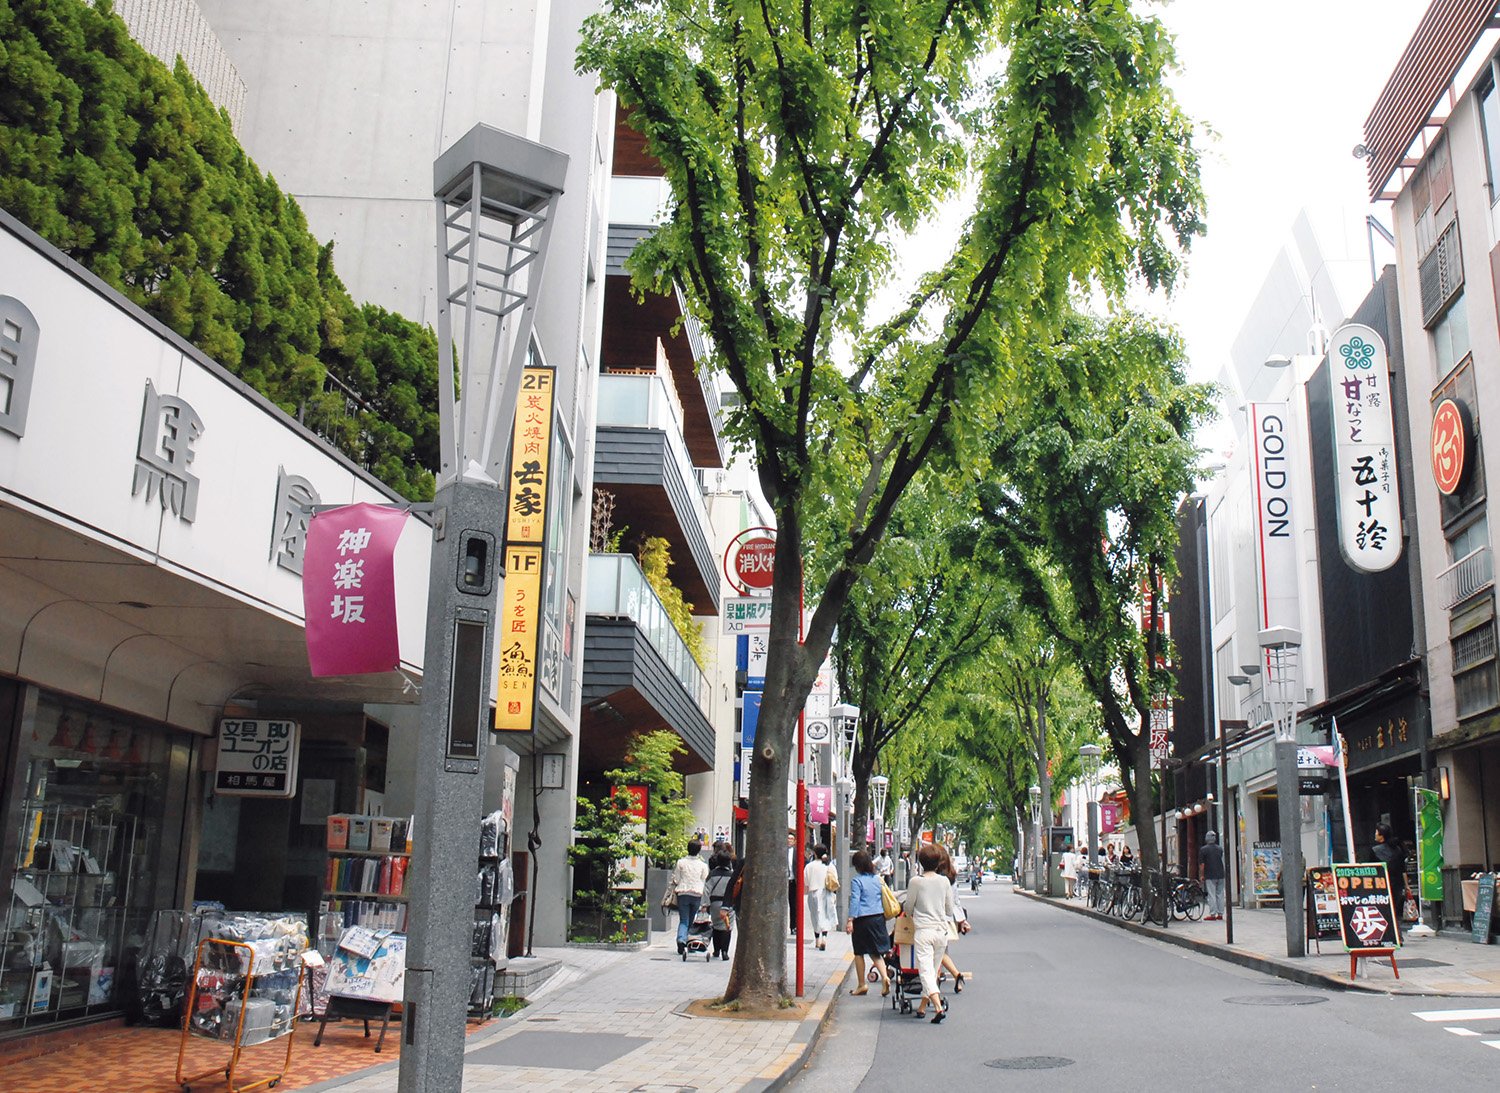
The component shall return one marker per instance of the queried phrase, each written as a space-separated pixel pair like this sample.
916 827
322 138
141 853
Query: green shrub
130 169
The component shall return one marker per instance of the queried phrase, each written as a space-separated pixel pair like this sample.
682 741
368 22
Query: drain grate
1276 1000
1030 1062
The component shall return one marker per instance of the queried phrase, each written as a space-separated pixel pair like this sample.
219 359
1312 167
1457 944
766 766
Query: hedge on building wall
129 168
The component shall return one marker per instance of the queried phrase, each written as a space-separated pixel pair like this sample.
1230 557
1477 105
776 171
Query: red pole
801 806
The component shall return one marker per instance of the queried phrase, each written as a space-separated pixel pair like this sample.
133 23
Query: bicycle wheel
1197 902
1180 902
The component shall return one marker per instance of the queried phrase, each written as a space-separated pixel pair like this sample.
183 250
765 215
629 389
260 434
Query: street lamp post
880 786
845 718
1091 754
496 199
1036 836
1281 644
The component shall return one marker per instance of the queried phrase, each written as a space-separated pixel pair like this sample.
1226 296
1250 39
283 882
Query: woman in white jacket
822 907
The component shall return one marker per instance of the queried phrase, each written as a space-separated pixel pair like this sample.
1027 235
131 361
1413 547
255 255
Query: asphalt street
1060 1002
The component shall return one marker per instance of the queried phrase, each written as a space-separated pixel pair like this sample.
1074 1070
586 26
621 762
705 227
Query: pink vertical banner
349 590
870 832
819 804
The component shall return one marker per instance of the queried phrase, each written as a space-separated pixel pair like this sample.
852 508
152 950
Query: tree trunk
1044 780
757 977
1143 813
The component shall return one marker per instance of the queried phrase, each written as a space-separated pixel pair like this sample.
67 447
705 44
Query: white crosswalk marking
1461 1031
1458 1015
1491 1043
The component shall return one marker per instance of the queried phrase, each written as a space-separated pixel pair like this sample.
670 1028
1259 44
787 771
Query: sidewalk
1448 965
623 1026
606 1021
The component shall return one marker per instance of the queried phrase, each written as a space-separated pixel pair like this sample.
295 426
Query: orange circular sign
1450 445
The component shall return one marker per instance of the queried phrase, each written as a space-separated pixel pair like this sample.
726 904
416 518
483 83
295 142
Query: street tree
930 606
803 142
1085 492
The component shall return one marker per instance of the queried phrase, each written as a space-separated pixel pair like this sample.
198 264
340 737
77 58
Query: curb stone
1305 976
809 1031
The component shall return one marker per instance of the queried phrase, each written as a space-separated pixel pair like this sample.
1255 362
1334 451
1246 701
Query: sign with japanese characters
746 615
519 633
257 758
1161 736
635 802
516 637
349 590
1451 429
531 445
1369 506
749 560
1367 917
1274 448
819 804
169 429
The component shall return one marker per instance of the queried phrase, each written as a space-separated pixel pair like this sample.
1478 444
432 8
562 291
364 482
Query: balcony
637 672
640 456
1469 576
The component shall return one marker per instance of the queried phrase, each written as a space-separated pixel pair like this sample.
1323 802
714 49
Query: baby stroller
906 983
700 934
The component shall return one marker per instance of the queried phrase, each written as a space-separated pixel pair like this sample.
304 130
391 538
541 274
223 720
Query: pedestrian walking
1388 849
866 923
720 893
960 923
930 903
1070 872
821 883
885 867
689 876
1211 873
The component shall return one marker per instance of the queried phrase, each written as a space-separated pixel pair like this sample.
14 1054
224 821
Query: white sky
1286 86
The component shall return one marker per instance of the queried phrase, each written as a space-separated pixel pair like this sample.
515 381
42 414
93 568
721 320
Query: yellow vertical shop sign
520 628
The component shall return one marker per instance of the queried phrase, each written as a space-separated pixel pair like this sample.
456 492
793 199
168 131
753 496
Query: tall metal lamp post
1036 837
1281 645
1091 755
496 197
880 786
845 718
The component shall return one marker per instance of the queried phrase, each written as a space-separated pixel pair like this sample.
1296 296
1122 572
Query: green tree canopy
800 141
128 167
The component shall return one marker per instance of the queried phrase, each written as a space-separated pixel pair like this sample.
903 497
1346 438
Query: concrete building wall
168 29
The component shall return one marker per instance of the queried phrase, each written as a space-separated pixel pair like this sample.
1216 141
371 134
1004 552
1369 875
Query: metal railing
644 401
618 587
1468 576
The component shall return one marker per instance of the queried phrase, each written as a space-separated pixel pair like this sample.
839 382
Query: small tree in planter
608 836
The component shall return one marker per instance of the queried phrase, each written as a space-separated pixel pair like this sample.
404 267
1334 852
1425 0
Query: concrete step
522 976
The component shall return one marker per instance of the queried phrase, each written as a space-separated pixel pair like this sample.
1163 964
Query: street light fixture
1281 645
1091 754
845 718
496 196
1036 836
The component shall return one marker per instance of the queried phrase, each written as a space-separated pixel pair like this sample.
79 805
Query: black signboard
1312 787
1367 919
1322 905
1484 909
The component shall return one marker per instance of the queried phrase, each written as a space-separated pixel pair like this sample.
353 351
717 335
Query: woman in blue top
866 923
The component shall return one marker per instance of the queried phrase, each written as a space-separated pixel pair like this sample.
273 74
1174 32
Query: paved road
1133 1014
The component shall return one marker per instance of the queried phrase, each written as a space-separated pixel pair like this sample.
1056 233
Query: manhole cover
1424 962
1030 1062
1276 1000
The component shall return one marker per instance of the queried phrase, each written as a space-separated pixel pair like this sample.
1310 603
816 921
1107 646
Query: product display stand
356 1009
233 996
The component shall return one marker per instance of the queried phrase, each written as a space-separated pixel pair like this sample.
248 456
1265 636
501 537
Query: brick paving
607 1021
643 996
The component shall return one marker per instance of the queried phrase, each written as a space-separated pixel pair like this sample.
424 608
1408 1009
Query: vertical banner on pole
1275 514
520 627
1429 810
